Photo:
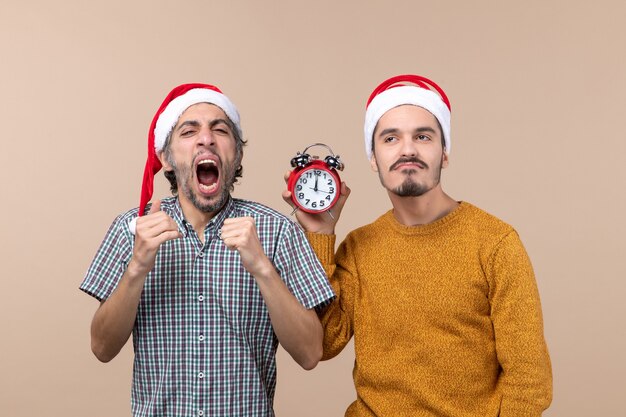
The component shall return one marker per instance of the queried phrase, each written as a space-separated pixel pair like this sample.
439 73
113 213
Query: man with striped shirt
208 285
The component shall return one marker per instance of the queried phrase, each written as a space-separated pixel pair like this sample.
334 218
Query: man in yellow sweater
440 296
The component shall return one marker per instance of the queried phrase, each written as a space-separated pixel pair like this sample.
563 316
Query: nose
206 137
408 147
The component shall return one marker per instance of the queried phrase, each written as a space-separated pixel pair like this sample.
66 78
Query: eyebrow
424 129
195 123
215 122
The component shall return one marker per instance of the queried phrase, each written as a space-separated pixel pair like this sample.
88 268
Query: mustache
414 160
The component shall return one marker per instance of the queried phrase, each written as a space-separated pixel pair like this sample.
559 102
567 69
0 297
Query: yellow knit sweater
446 318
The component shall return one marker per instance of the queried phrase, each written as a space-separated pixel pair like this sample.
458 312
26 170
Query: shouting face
203 154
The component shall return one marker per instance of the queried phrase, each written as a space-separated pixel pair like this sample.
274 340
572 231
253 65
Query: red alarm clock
314 184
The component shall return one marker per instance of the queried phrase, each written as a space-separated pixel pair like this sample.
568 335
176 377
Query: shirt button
201 338
201 297
200 412
200 254
201 375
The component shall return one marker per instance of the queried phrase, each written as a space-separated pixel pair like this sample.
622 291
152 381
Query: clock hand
316 178
321 191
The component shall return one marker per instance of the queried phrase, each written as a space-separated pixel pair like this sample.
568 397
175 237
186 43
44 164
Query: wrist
320 228
263 269
135 271
325 230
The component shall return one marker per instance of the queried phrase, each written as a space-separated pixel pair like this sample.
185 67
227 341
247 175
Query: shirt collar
214 224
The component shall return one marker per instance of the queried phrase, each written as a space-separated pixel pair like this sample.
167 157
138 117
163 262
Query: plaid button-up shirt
204 344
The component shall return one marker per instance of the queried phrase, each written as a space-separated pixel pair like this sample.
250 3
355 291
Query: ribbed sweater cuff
324 247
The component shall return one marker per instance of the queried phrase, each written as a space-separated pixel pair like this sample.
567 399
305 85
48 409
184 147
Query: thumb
156 206
286 176
287 197
343 196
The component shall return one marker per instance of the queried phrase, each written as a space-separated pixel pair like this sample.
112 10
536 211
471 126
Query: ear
163 159
373 163
445 159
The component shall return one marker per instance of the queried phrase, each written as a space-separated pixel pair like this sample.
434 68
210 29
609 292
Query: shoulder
254 209
483 223
373 230
491 233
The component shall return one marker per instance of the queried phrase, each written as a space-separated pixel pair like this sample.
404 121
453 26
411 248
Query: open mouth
208 175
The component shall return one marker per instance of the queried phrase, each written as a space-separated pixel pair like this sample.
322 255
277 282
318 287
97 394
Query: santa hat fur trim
406 89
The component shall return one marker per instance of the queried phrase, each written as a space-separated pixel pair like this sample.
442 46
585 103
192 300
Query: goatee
410 188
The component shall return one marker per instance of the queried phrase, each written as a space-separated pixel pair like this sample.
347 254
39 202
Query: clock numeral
304 180
328 197
331 190
318 172
330 182
322 203
300 196
314 204
307 201
298 187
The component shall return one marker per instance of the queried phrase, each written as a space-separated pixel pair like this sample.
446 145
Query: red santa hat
176 102
406 89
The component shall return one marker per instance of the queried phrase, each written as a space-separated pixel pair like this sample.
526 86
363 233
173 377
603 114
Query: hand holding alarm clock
314 184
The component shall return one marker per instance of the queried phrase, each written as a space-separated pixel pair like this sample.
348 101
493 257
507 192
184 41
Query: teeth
206 161
208 188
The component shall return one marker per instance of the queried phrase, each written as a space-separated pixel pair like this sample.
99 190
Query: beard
410 187
184 177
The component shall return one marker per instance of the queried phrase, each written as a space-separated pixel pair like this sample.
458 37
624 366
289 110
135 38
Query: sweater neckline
426 228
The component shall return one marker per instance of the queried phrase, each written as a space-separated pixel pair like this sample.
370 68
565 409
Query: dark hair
240 142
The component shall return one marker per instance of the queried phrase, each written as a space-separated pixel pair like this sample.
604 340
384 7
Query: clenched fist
151 231
239 233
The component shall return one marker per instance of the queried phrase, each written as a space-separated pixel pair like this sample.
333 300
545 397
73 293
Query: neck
425 209
198 218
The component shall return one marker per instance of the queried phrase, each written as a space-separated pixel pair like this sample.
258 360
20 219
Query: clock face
315 189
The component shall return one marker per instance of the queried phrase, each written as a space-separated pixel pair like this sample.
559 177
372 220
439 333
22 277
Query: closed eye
220 127
221 131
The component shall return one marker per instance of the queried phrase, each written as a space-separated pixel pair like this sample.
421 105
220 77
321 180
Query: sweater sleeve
338 317
526 379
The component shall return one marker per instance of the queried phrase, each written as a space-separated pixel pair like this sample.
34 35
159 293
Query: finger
151 220
287 198
156 206
238 221
237 226
168 235
230 228
345 190
155 224
227 233
286 176
343 196
157 230
242 227
230 242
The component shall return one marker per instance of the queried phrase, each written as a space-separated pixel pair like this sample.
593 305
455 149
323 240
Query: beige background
538 92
